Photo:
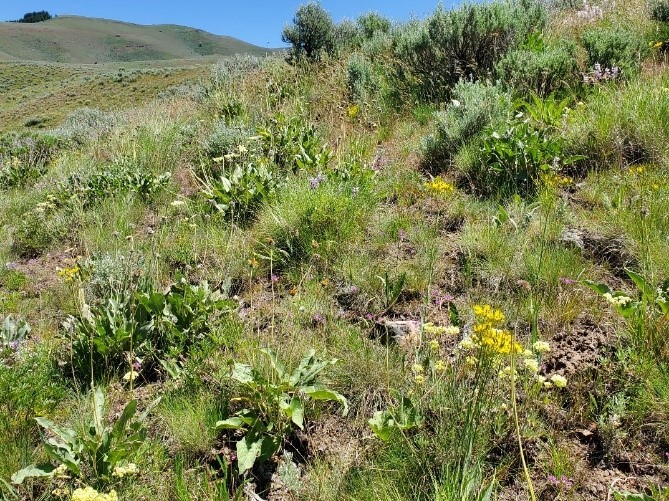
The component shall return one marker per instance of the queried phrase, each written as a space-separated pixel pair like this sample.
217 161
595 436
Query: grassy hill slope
74 39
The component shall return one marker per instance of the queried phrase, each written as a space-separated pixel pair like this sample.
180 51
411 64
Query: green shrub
25 157
465 43
40 227
542 72
87 124
225 139
361 78
611 47
513 158
293 144
373 24
660 11
273 406
90 188
135 325
312 33
475 107
237 194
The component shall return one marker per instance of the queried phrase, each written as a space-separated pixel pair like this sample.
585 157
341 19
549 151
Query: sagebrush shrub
475 106
361 79
659 11
465 43
542 72
311 34
612 47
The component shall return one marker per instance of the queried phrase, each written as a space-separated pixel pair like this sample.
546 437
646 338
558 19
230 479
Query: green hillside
74 39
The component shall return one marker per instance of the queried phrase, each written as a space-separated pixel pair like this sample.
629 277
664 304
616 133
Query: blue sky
256 21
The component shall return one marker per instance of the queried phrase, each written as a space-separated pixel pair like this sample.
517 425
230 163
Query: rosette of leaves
274 406
91 455
240 193
13 332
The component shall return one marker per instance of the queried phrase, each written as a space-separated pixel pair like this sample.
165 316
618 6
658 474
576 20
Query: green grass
329 258
76 39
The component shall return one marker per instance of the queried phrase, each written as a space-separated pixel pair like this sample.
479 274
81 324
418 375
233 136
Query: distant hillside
74 39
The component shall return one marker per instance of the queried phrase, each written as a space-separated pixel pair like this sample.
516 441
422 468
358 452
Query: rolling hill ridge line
84 40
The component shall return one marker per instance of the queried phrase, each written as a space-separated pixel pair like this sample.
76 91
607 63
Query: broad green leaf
32 471
248 450
242 373
297 412
234 423
382 425
320 392
406 415
126 416
645 288
98 410
67 435
598 288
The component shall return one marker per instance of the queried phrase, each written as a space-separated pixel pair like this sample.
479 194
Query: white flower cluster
125 471
620 301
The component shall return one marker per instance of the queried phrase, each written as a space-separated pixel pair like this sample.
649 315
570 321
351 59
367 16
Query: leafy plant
292 144
392 289
659 11
239 194
272 406
401 418
136 325
13 332
611 47
91 456
474 107
542 72
311 34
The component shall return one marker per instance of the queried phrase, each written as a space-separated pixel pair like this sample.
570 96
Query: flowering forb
438 186
541 347
125 471
439 330
68 274
90 494
620 301
489 333
531 365
559 381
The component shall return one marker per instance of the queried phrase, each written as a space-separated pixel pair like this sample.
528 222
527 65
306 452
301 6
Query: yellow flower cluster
125 471
68 274
439 330
488 334
90 494
439 187
556 180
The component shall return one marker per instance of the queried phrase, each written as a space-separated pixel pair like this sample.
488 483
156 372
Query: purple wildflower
274 278
567 281
136 366
318 319
315 182
553 480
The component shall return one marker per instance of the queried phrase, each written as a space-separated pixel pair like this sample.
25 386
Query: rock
401 332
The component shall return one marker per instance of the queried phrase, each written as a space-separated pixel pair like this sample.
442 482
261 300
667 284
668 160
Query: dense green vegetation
408 261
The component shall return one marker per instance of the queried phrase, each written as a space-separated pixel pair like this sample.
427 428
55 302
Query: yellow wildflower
487 313
440 366
90 494
68 274
124 471
417 369
438 186
434 345
419 379
531 365
471 361
559 381
541 347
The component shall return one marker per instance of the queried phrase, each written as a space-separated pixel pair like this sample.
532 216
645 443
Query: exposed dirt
578 348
